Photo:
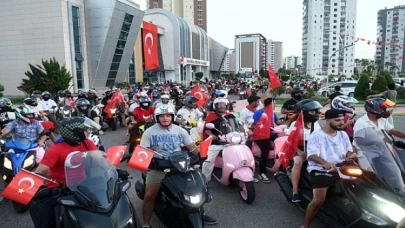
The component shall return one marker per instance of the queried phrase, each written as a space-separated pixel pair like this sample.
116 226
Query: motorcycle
371 194
242 94
97 194
183 191
94 136
240 165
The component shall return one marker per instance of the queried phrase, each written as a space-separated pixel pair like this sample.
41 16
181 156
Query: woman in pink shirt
345 104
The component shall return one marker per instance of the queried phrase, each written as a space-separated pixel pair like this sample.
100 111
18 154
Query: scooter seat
336 189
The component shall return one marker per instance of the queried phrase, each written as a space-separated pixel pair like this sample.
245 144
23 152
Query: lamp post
330 58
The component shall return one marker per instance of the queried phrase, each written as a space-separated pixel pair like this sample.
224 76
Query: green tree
380 84
51 76
122 85
1 90
284 77
361 87
199 76
388 77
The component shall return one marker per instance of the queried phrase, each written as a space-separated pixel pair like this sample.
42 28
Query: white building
93 39
292 62
324 26
390 29
275 54
229 62
251 52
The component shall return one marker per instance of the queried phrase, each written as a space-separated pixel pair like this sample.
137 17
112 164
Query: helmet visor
91 124
387 104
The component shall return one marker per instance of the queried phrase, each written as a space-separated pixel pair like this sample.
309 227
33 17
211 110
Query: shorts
155 176
322 179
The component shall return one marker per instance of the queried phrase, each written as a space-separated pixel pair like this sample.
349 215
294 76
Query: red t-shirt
55 158
142 114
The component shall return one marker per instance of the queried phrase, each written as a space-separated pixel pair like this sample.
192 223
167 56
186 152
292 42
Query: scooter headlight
29 161
196 199
395 212
66 112
236 139
8 164
2 141
113 110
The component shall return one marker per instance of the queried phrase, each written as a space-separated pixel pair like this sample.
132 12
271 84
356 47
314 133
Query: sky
282 21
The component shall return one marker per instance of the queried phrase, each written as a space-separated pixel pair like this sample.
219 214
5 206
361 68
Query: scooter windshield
89 174
378 154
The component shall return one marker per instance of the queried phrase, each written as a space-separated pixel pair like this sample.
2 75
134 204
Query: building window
131 70
335 4
334 15
78 47
335 10
119 50
334 21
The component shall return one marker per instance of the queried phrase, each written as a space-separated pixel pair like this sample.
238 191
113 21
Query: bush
284 78
309 93
380 84
1 90
401 93
199 76
389 79
361 87
368 92
278 91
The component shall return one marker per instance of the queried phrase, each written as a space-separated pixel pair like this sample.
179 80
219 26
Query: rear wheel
246 191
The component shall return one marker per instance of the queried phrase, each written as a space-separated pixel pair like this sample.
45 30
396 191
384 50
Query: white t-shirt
46 105
307 132
332 149
132 107
245 116
195 114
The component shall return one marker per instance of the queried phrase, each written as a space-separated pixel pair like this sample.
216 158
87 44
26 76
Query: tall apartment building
229 62
325 24
292 62
390 29
275 54
251 51
193 11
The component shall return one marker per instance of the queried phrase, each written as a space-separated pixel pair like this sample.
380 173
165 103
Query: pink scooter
278 143
235 164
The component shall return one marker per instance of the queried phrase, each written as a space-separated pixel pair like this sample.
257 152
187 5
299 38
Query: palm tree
378 66
393 68
387 65
370 69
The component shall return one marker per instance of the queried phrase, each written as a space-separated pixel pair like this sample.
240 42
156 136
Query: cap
253 99
333 113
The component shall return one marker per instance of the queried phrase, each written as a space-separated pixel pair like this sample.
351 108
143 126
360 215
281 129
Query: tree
263 73
199 76
122 85
284 78
380 84
361 87
1 90
51 76
388 77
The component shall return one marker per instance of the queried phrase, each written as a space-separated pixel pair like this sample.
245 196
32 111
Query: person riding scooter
288 106
83 109
189 114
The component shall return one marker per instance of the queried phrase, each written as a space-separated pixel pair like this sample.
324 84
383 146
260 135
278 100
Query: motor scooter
235 164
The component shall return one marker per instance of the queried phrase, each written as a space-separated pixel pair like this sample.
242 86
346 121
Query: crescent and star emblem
200 95
145 156
149 36
120 153
25 179
68 162
145 117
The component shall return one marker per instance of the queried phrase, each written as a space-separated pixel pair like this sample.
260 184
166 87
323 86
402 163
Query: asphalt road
270 209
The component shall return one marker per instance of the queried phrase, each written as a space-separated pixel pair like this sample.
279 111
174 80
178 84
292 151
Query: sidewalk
399 110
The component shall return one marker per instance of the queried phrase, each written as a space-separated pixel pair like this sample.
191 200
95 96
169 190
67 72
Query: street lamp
330 58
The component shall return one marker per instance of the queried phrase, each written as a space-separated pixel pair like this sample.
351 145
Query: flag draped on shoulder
295 139
261 129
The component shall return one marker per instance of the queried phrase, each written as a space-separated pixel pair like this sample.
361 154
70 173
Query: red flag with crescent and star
141 158
261 130
150 46
115 154
274 81
204 145
197 93
295 139
116 98
23 187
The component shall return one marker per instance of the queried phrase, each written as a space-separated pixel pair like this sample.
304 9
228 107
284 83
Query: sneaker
263 177
296 198
210 220
255 180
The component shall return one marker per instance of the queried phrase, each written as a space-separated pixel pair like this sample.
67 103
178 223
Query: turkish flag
150 46
204 145
197 93
115 154
47 125
141 158
116 98
274 81
23 187
295 139
261 129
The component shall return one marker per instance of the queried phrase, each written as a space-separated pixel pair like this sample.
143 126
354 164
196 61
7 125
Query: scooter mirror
210 125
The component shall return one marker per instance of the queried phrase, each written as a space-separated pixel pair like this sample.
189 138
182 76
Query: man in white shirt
189 114
46 103
326 147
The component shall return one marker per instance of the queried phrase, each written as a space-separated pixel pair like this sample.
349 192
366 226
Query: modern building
292 62
275 54
390 29
251 52
192 11
179 39
94 39
325 24
229 62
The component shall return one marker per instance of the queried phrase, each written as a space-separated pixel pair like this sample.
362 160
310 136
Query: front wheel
20 208
114 124
246 191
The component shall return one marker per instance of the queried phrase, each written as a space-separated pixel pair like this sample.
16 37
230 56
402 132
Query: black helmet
72 129
308 105
46 95
144 102
82 102
379 106
298 106
296 90
36 94
30 101
67 93
108 93
189 101
296 93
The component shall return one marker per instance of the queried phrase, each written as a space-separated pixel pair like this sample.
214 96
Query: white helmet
164 109
165 96
342 103
220 100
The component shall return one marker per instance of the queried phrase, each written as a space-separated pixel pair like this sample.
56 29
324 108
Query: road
270 209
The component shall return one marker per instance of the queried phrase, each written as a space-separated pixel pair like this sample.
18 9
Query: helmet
342 103
306 106
30 101
218 101
46 95
5 102
165 96
108 93
298 106
379 106
91 93
25 113
163 110
72 129
144 102
190 101
221 93
36 93
82 102
67 93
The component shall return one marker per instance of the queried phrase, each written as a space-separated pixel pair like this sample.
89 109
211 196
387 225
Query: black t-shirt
4 118
333 95
289 105
226 125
